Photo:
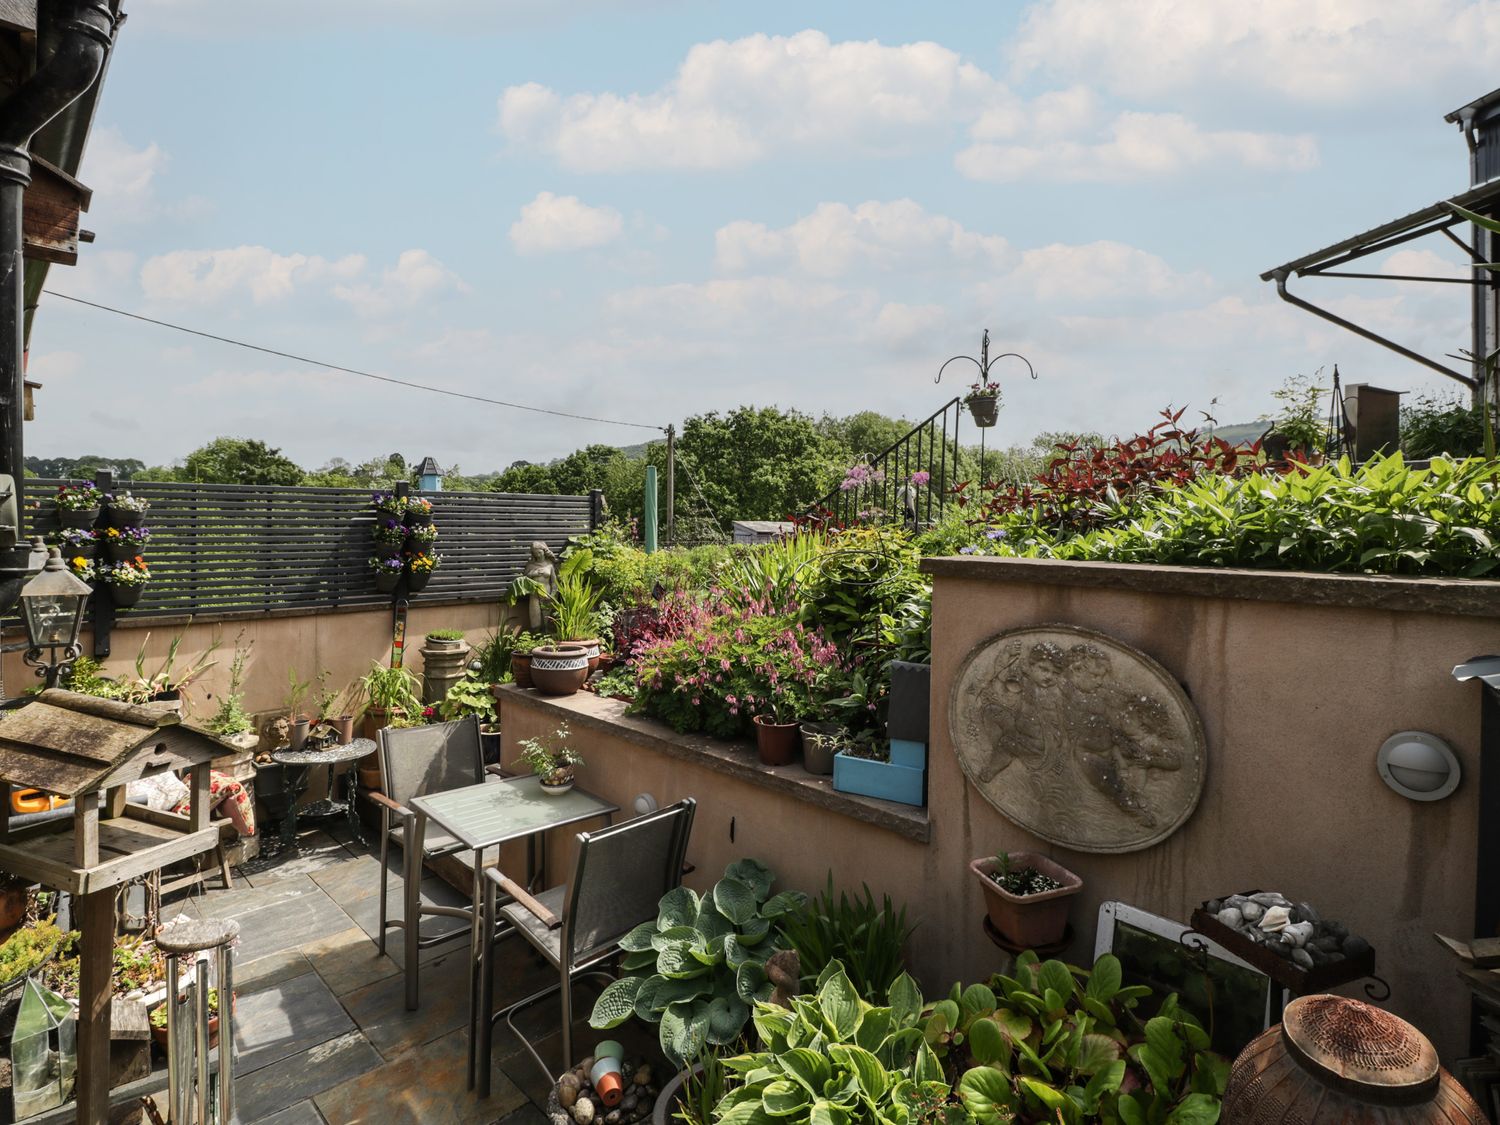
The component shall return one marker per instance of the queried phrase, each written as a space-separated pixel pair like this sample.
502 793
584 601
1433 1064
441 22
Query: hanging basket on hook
983 399
984 408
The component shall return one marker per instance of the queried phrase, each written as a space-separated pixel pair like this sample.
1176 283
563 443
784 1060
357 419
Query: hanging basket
984 410
125 595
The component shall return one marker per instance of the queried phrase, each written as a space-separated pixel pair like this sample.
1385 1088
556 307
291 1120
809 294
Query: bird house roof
65 743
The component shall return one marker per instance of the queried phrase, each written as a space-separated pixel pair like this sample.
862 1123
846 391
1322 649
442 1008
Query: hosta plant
1059 1044
698 968
835 1059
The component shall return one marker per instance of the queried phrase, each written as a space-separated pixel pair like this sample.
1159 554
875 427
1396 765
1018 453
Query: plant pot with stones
776 742
559 670
1034 910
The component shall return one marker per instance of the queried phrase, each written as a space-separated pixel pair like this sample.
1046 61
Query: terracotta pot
12 907
592 647
1028 920
368 767
560 670
159 1034
520 669
776 742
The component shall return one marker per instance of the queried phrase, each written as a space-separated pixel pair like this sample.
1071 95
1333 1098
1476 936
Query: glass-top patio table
485 816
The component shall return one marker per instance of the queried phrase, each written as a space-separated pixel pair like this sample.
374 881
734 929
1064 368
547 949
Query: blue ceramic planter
886 780
907 753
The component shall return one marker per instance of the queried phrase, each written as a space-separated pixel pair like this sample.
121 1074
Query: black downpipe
81 42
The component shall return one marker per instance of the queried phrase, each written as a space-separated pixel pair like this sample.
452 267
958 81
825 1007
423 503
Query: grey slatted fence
237 549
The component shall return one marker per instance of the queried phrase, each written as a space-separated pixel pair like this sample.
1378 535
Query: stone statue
542 569
1078 738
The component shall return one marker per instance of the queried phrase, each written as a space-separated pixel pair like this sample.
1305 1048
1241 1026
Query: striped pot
560 670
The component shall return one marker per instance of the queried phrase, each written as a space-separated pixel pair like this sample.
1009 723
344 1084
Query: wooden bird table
87 750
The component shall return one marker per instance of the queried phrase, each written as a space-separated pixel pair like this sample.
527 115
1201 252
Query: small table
332 757
485 816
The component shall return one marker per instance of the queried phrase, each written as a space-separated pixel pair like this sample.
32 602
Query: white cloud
1314 50
836 239
733 102
551 223
120 173
416 276
205 276
1063 274
1134 146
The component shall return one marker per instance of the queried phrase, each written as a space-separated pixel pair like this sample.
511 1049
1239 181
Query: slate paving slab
428 1085
303 1113
281 918
380 1009
296 1078
348 961
263 972
286 1019
315 851
366 914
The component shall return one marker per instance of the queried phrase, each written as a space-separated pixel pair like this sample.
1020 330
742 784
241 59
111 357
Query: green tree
866 434
756 463
523 476
229 460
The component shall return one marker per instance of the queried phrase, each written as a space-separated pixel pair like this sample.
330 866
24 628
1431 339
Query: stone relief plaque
1078 738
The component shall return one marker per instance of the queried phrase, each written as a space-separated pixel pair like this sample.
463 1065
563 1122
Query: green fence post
648 527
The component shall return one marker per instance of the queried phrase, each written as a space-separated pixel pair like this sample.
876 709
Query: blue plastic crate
885 780
904 752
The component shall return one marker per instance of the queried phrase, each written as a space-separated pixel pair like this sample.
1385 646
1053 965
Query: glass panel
43 1051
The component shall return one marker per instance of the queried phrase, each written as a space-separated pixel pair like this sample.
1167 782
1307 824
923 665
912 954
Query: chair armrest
521 895
500 771
385 802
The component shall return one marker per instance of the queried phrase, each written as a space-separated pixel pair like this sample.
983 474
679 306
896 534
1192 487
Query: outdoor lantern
1418 765
52 606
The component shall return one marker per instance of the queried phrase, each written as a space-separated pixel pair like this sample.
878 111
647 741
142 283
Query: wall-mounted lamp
1418 765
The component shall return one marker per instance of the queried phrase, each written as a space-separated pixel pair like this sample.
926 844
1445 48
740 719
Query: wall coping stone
1471 597
737 759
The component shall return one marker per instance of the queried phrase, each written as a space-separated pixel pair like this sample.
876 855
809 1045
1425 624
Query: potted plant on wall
388 505
126 510
419 568
520 658
418 511
776 721
389 535
558 669
553 764
387 572
983 401
78 504
78 543
392 696
125 543
125 581
575 606
471 696
1027 896
419 538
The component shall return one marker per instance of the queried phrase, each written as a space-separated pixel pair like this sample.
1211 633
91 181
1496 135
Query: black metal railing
887 487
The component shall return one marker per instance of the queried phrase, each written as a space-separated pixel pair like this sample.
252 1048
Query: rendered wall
1295 698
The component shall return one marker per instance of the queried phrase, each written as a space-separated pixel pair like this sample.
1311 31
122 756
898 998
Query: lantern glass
52 605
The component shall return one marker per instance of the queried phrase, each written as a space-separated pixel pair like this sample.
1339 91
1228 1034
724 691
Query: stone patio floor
321 1030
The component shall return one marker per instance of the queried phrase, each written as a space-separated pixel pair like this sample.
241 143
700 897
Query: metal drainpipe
82 40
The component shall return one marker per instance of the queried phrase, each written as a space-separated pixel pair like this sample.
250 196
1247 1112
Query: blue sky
644 209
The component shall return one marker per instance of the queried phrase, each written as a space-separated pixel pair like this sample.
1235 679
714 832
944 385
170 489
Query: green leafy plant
1300 417
446 635
835 1059
168 677
469 696
490 663
617 683
32 946
576 602
231 718
87 677
394 691
554 764
296 692
159 1013
1434 426
1060 1044
702 1089
868 938
696 969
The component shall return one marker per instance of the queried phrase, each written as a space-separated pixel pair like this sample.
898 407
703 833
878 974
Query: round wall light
1418 765
644 803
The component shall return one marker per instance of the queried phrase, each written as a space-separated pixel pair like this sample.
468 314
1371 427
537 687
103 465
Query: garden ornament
542 569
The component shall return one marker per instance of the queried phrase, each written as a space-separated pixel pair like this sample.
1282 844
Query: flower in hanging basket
983 390
391 532
135 538
423 563
80 496
83 568
422 535
418 506
130 572
125 502
385 565
75 540
389 504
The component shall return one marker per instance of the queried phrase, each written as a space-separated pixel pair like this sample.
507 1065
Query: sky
640 210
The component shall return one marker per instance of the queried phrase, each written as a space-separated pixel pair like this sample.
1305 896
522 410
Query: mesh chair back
621 874
430 759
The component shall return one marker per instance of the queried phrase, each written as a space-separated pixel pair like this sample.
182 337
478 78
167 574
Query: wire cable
353 370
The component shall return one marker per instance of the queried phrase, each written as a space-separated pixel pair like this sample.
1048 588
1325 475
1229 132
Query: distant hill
1241 433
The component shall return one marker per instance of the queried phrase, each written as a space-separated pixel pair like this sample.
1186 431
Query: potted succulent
78 504
387 570
126 510
78 543
553 765
124 543
983 401
419 568
125 581
1027 896
388 505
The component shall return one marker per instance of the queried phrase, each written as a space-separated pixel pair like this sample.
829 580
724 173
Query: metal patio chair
416 761
618 879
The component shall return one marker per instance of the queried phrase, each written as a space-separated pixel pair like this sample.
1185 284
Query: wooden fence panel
221 548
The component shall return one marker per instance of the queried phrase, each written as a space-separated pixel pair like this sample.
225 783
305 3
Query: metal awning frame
1438 218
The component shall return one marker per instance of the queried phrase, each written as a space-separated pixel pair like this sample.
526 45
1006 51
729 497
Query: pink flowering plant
713 666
